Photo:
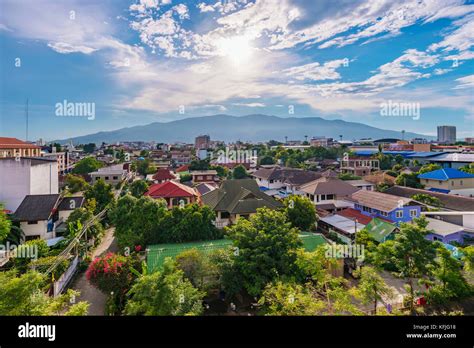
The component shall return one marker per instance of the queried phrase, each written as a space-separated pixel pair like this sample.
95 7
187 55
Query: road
89 293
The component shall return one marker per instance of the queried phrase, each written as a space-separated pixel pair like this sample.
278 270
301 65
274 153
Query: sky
137 62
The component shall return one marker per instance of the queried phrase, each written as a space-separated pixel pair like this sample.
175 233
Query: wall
450 184
38 229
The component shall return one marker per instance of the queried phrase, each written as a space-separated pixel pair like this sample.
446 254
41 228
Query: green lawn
158 252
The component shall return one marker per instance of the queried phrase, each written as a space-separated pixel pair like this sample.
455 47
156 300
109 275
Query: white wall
37 229
19 178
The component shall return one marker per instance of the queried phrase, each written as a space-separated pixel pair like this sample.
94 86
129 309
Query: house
385 206
328 193
287 180
237 198
453 160
38 215
446 232
64 162
24 176
447 180
111 175
362 184
458 210
381 230
174 193
13 147
344 228
200 176
163 175
359 166
205 187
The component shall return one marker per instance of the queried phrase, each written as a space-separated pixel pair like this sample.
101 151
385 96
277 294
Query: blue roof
445 174
434 189
404 154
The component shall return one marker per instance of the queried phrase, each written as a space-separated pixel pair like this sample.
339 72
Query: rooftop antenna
26 114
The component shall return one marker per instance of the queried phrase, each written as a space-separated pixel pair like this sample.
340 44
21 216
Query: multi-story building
13 147
202 142
26 176
447 134
359 166
64 162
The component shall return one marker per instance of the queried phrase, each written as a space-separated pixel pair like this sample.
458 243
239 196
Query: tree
265 160
75 183
427 199
87 165
89 148
83 215
185 178
266 248
5 224
145 167
194 265
349 176
399 159
28 251
101 193
287 299
468 168
301 212
409 180
199 164
429 168
372 288
239 172
112 275
164 293
138 188
25 295
450 282
410 253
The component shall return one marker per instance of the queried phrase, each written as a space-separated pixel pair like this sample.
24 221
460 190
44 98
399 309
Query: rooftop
445 174
170 189
378 200
14 143
36 207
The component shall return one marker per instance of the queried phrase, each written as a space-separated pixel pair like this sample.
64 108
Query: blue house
447 179
384 206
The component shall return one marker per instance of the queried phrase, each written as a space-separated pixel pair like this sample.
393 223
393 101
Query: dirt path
95 297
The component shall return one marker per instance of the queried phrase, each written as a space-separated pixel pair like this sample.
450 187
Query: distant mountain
245 128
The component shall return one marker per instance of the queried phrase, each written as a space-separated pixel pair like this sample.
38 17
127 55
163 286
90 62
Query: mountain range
245 128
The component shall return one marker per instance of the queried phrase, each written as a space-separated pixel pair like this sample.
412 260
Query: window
413 213
366 209
323 197
437 238
452 183
199 177
225 215
460 183
383 213
106 178
399 214
32 222
271 181
329 197
115 177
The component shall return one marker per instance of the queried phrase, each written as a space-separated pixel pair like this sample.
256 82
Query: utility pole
26 114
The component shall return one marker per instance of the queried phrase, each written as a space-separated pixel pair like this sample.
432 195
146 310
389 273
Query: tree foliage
87 165
164 293
138 188
300 212
102 193
75 183
266 248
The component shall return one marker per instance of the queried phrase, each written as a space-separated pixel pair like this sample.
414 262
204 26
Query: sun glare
237 49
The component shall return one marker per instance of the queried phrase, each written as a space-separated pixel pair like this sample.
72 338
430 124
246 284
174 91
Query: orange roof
14 143
351 213
170 189
183 168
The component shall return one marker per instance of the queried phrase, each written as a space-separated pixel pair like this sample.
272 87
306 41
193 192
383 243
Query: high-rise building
202 142
447 134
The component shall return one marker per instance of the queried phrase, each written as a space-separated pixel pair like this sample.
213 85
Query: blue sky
145 61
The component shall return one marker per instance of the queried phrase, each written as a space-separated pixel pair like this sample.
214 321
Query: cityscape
237 158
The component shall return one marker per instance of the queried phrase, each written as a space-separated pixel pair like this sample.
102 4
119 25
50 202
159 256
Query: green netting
158 252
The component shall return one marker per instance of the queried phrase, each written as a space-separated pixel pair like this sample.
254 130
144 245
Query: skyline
159 61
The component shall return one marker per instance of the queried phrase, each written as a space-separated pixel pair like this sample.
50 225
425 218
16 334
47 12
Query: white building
23 176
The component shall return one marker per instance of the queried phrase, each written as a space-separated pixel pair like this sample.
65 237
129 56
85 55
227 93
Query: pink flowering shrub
110 273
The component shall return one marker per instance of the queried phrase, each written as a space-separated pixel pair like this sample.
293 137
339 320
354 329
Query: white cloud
465 82
315 71
65 48
250 105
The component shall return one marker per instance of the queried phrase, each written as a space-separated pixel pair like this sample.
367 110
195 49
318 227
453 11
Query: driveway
89 293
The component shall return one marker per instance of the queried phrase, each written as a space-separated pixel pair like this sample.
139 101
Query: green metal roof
379 229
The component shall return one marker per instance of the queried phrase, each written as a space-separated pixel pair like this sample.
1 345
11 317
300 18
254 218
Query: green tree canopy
138 188
87 165
102 194
164 293
266 248
301 212
239 172
75 183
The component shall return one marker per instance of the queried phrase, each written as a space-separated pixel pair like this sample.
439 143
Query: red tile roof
163 174
14 143
355 214
183 168
170 189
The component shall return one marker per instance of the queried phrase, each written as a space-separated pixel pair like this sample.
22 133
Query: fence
62 282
